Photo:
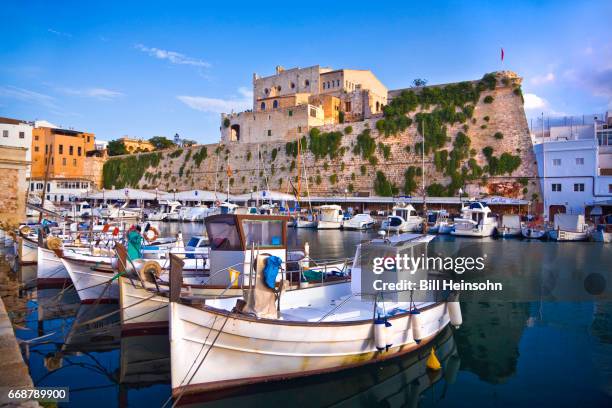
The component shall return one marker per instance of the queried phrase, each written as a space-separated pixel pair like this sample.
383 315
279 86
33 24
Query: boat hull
562 235
27 251
265 350
533 233
50 271
329 224
478 232
509 232
93 280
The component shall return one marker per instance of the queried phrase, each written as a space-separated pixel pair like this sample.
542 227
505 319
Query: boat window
192 242
223 234
266 233
395 221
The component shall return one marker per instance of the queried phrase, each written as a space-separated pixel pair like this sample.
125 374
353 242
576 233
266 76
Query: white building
17 133
62 190
575 167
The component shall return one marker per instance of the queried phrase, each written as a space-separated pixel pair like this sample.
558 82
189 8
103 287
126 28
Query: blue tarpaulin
273 264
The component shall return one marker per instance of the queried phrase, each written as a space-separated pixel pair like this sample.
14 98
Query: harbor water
505 353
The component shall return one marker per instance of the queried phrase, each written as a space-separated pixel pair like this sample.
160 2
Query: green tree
161 142
116 147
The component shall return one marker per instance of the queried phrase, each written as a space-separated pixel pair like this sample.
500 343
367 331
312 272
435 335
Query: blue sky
124 68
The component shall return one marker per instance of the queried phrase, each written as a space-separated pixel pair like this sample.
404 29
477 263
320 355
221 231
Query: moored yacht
330 217
476 220
403 219
359 222
439 222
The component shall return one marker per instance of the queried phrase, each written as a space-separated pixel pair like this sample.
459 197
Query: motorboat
359 222
272 333
570 227
330 217
114 212
511 226
80 209
403 218
196 213
534 231
166 207
476 220
439 222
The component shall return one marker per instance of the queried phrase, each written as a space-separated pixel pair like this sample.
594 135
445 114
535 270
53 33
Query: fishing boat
269 335
439 222
570 227
511 226
81 209
476 220
534 231
330 217
359 222
144 298
404 218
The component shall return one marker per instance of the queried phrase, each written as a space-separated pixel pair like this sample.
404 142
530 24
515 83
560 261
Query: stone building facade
291 102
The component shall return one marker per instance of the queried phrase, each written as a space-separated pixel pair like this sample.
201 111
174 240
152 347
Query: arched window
235 133
323 85
266 91
328 85
292 85
306 83
377 106
263 106
278 88
275 104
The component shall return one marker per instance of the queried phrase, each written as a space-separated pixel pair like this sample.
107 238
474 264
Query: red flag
502 54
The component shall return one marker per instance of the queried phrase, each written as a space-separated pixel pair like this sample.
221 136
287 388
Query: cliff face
484 148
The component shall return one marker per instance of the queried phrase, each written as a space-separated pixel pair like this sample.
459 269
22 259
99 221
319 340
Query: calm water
505 354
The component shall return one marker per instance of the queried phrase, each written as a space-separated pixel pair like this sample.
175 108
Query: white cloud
102 94
217 105
173 56
533 101
59 33
25 95
543 79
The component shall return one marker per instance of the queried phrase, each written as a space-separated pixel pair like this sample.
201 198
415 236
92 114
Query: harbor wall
498 111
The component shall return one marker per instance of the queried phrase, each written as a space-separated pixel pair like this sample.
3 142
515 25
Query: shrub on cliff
175 153
498 135
324 144
200 155
410 184
383 187
436 190
488 99
365 145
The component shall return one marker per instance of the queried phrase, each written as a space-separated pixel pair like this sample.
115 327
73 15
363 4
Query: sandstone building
291 102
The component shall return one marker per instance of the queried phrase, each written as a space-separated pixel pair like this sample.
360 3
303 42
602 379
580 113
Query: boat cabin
331 213
404 212
232 239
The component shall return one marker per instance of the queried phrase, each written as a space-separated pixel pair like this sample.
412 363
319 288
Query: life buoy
154 231
25 230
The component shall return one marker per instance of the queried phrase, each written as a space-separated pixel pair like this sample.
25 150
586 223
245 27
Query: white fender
454 312
415 324
390 334
380 332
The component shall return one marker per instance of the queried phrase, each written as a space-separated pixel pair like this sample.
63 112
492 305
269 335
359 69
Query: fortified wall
476 138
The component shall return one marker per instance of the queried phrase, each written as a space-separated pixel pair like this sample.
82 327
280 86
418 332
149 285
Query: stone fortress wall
188 168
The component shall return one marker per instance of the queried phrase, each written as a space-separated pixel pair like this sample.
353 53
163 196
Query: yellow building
65 148
137 145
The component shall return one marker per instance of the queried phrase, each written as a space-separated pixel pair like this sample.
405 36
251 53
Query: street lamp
174 191
461 197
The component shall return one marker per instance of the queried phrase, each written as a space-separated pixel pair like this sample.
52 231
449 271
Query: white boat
476 220
330 217
403 218
27 246
80 209
113 212
534 232
570 227
166 207
511 226
439 222
227 208
50 271
359 222
196 213
314 330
